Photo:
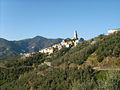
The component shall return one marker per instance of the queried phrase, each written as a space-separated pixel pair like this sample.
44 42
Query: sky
21 19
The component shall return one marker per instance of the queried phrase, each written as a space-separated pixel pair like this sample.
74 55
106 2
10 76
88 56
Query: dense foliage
109 46
15 66
67 79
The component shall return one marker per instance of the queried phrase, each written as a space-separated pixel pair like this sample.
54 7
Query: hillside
91 65
11 48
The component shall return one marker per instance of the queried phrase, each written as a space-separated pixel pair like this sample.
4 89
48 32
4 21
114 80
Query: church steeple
75 35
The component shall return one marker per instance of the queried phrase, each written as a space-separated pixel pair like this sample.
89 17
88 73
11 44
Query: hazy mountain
8 48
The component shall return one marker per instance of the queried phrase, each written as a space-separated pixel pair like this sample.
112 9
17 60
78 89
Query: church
71 42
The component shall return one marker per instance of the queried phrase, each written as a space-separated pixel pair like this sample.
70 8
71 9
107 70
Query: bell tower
75 35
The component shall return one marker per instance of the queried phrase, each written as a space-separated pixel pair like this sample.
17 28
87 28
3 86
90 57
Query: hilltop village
69 42
65 43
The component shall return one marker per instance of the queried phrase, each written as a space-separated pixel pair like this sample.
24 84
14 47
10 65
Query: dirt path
106 69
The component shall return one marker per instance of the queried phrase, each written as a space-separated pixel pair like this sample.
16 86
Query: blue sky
20 19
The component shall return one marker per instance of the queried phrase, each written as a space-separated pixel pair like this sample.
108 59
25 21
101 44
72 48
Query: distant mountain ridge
10 48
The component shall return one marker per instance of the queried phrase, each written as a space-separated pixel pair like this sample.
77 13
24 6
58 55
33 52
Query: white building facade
113 31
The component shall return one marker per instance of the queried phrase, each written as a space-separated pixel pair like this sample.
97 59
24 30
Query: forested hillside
91 65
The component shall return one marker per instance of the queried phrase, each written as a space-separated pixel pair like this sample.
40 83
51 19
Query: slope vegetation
91 65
